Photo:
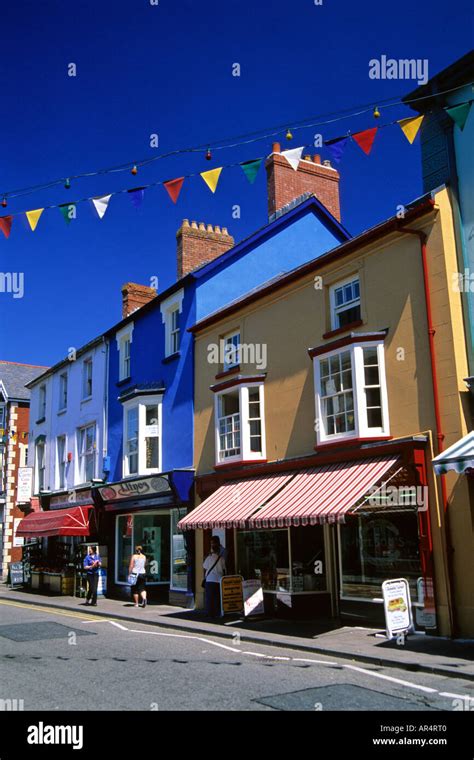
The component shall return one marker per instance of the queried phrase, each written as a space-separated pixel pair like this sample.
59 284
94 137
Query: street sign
253 597
397 607
16 574
232 597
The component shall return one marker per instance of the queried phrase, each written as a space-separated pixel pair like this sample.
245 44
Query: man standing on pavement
92 563
214 566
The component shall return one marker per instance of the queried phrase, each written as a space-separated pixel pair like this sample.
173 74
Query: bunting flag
211 178
68 211
293 156
33 217
410 127
336 147
136 196
365 139
250 169
6 225
100 204
173 188
459 113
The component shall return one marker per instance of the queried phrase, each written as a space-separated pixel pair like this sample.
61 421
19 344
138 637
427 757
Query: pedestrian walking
137 576
214 566
92 564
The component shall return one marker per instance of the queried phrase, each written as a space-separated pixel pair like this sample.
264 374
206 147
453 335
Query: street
62 660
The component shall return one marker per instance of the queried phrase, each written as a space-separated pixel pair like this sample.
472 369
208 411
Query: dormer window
345 303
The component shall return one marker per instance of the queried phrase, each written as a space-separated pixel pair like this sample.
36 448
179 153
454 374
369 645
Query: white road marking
266 656
117 625
456 696
318 662
391 678
182 636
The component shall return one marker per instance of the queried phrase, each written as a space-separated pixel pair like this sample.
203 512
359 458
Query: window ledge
351 442
171 357
41 419
227 372
87 398
62 411
238 463
123 381
341 330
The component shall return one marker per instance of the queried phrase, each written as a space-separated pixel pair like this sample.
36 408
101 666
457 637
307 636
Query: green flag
68 210
250 169
459 113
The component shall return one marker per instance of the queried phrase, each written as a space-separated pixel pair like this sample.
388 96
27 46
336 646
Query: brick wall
198 244
134 296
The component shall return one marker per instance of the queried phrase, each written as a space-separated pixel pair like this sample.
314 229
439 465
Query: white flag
293 156
100 204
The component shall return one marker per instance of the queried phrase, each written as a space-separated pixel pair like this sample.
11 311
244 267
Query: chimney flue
134 296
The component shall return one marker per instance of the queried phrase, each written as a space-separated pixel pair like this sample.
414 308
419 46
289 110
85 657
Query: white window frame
361 429
38 469
59 463
245 452
42 402
169 306
85 378
335 310
124 337
63 389
226 339
81 458
141 402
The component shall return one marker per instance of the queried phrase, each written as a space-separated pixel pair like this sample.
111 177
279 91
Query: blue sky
167 69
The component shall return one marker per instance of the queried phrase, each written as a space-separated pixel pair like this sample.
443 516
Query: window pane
151 414
263 555
374 418
179 571
152 453
349 315
324 367
124 546
373 397
307 558
152 532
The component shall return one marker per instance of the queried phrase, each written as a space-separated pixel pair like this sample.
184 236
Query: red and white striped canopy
234 502
56 522
323 494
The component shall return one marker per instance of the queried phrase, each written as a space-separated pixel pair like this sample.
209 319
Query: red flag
173 187
365 139
6 225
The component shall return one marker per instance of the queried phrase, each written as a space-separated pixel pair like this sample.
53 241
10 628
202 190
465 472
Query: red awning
58 522
323 494
234 502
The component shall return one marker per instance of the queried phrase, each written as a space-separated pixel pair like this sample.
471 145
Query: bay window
141 435
239 424
351 393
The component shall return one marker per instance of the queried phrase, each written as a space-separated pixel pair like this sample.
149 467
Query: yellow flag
410 127
211 178
33 217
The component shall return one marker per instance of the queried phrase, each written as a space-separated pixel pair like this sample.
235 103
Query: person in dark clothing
92 563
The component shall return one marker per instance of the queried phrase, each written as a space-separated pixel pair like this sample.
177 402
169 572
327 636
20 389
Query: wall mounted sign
129 489
24 489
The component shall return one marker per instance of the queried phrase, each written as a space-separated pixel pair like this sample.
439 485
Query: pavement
419 653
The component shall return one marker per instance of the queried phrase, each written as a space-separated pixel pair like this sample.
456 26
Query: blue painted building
149 467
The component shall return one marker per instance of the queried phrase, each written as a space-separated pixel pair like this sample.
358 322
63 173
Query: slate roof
14 376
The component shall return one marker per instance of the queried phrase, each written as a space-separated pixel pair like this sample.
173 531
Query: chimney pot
217 229
202 226
276 148
317 159
185 222
307 158
326 162
224 231
194 225
210 228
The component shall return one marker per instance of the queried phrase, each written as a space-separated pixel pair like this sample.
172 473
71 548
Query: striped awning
323 494
459 457
234 502
56 522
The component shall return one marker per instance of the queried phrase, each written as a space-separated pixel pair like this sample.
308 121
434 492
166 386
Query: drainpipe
422 236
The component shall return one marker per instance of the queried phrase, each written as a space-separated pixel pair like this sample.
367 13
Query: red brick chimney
134 296
198 244
284 184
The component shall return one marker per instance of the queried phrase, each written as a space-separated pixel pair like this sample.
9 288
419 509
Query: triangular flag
250 169
136 196
6 225
336 147
293 156
68 210
211 178
173 188
100 204
33 217
365 139
410 126
459 113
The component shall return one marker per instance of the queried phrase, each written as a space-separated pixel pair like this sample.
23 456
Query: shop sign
24 489
253 597
397 607
16 573
426 617
129 489
232 597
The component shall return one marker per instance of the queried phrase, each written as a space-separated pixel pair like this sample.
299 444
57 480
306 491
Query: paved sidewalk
428 654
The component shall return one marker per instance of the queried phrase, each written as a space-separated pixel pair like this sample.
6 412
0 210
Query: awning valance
58 522
459 457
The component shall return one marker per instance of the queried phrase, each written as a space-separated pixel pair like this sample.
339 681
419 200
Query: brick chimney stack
284 184
134 296
200 243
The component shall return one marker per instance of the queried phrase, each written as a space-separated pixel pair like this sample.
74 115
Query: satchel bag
203 583
132 579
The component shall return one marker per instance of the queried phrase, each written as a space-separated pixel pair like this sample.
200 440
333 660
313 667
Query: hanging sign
397 607
232 597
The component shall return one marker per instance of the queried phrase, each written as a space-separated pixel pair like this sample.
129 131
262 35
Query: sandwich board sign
253 597
232 597
397 607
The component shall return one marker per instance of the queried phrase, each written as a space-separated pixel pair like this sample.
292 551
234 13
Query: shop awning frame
56 522
458 458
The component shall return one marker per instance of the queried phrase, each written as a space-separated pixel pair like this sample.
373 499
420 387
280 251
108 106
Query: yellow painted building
320 402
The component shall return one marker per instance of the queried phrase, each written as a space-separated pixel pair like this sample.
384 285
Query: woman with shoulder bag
137 576
214 566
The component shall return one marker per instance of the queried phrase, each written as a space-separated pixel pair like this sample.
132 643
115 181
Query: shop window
240 424
87 453
351 393
142 436
124 547
264 555
375 549
308 559
345 303
152 532
179 573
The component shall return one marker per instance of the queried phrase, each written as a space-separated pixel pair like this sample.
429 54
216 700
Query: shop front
321 540
145 512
